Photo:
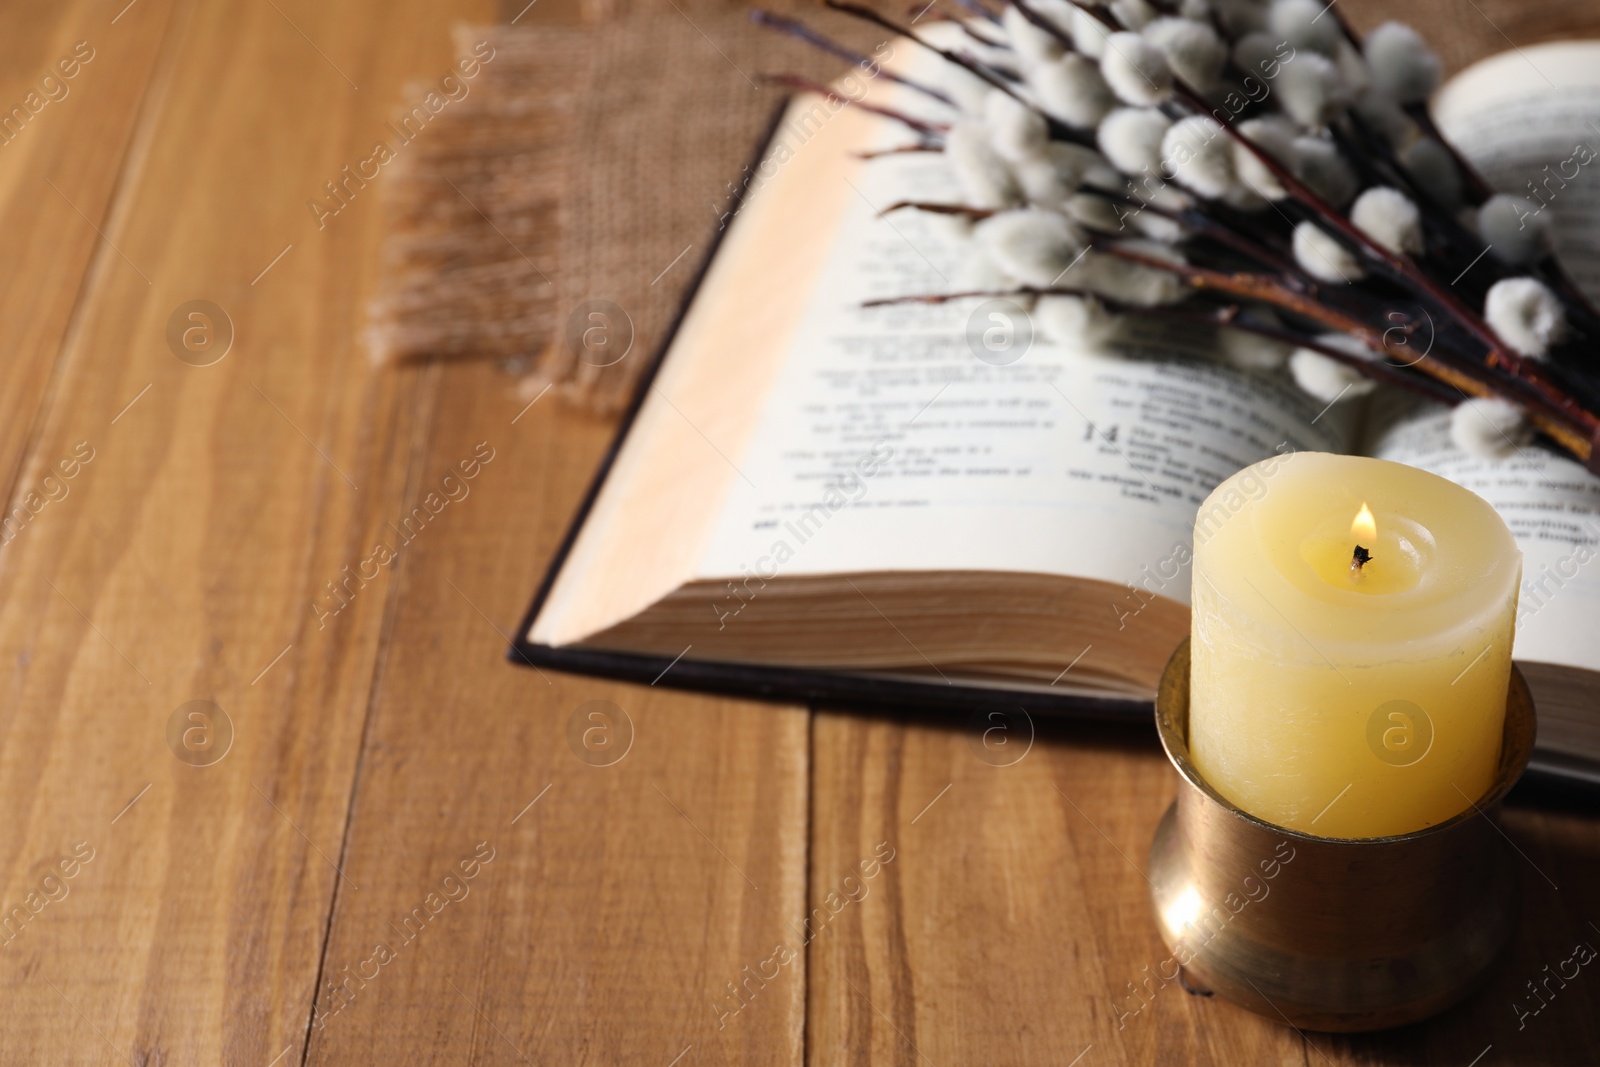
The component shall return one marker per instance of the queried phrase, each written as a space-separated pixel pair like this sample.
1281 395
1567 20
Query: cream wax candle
1351 644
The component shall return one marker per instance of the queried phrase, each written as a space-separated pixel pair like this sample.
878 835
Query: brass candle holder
1330 933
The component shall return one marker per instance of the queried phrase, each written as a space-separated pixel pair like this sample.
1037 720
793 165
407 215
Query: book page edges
650 522
1028 628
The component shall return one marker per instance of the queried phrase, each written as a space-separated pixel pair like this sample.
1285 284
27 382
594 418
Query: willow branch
978 9
1203 224
1062 37
1499 355
1478 189
1058 129
799 30
1420 384
1462 246
905 149
1228 316
938 209
967 28
804 84
966 63
1469 378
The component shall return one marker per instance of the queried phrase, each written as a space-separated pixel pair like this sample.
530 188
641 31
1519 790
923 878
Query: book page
1552 506
1529 121
889 444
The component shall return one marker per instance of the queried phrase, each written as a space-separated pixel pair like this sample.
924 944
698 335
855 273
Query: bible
960 506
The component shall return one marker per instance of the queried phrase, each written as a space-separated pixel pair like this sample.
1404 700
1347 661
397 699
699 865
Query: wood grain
60 166
229 911
183 562
1013 922
1015 916
620 904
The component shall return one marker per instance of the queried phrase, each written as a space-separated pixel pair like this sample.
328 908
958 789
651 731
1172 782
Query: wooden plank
183 561
1012 925
72 86
621 904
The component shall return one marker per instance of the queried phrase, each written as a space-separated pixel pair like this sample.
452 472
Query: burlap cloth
593 164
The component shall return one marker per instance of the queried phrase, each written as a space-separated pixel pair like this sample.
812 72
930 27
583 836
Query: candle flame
1365 527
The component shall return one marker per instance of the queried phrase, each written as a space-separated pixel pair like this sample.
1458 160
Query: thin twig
1221 316
799 30
967 63
978 9
1058 129
938 209
1558 404
1062 37
1202 224
968 29
1478 189
1473 379
808 85
920 146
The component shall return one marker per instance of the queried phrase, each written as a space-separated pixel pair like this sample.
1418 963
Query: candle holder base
1330 933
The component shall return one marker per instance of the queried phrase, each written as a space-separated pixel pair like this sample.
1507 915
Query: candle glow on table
1342 698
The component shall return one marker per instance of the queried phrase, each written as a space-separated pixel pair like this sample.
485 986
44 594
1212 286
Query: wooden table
305 898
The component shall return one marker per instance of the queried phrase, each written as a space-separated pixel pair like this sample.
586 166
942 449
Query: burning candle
1351 644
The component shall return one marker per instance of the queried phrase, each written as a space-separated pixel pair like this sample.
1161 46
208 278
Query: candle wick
1360 558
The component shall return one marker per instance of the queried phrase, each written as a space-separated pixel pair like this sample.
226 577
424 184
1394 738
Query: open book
944 505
